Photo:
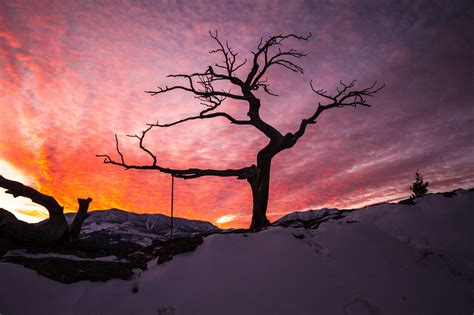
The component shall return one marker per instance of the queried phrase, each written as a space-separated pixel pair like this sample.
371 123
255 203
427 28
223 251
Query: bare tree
53 230
203 85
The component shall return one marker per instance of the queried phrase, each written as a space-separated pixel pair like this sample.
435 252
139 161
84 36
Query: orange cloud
72 75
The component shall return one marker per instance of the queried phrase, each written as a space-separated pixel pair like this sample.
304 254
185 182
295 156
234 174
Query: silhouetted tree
53 230
419 187
247 84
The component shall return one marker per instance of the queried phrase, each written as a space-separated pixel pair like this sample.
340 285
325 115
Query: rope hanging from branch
172 202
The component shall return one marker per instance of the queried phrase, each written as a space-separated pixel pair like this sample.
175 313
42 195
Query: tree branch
140 142
230 57
242 173
345 96
194 91
264 56
203 88
81 215
207 116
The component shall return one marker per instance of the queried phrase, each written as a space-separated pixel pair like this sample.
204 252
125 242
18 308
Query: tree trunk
81 215
260 184
50 231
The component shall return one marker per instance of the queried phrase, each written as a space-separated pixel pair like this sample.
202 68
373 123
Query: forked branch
268 54
199 84
81 215
346 96
241 173
230 56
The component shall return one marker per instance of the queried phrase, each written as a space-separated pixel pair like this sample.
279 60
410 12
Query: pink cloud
73 74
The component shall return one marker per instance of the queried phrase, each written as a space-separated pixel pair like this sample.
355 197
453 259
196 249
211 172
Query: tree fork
243 87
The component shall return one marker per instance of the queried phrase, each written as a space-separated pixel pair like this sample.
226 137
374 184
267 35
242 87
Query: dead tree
245 85
53 230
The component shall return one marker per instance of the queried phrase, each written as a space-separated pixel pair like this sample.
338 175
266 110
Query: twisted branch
241 173
345 96
267 58
230 57
18 189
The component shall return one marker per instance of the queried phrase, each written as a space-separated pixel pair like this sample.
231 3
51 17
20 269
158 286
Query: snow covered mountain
141 228
309 218
384 259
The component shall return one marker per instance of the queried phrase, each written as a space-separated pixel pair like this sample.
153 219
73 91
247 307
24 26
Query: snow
24 253
308 215
385 259
436 223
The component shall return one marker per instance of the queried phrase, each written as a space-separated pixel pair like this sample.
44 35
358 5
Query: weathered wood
81 215
53 230
18 189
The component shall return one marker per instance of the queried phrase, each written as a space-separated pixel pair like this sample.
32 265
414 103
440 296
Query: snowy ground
385 259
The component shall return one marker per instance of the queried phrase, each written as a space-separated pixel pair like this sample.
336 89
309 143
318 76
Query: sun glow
226 218
24 209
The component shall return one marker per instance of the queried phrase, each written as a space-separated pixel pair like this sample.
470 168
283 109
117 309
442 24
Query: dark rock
352 221
408 201
101 243
310 224
168 249
236 231
70 271
299 236
449 194
135 287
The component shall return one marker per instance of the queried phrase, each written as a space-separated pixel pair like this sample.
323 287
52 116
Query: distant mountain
141 228
307 218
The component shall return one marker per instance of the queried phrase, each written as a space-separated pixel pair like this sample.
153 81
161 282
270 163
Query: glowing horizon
23 208
73 74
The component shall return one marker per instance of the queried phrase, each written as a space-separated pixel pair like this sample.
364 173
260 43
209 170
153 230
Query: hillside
383 259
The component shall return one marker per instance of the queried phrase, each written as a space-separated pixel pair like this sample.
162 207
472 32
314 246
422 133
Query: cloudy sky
72 74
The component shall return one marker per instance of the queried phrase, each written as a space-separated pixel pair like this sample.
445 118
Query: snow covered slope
308 215
384 259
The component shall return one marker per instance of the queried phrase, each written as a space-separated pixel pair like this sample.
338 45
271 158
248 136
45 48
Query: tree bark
53 230
260 185
81 215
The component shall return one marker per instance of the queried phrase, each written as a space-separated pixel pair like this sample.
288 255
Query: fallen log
51 231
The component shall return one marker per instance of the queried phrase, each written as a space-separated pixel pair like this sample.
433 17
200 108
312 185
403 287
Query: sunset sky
73 73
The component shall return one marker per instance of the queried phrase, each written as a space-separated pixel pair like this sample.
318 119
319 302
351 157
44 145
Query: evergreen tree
419 187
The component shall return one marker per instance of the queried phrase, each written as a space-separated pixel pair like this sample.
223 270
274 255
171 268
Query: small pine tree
419 187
